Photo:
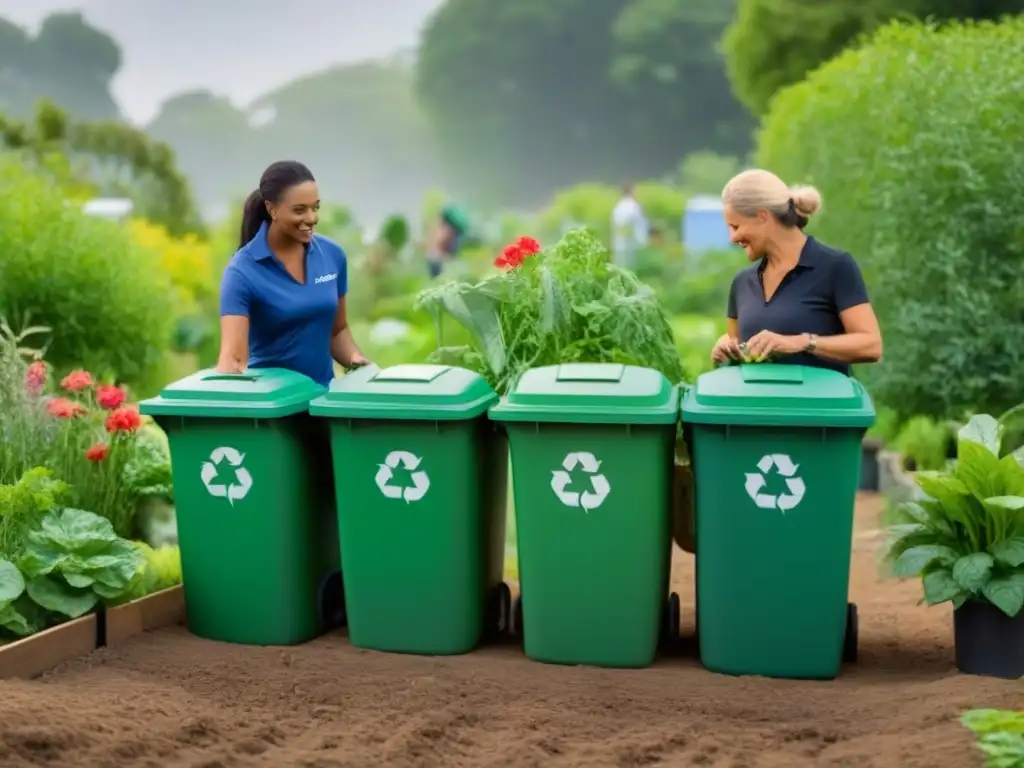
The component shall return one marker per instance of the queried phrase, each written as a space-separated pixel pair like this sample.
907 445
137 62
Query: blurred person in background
801 301
445 239
629 229
282 297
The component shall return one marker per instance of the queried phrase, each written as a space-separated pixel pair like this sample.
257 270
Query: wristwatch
812 342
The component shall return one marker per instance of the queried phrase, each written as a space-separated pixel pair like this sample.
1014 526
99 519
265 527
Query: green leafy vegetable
566 304
966 540
74 560
148 472
1000 736
24 503
12 591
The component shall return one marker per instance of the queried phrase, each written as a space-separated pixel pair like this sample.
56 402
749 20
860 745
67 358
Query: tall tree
774 43
668 60
518 93
69 62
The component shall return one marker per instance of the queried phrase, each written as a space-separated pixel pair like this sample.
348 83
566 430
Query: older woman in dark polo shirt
800 301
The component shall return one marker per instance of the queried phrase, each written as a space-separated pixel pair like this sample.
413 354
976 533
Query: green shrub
915 142
109 305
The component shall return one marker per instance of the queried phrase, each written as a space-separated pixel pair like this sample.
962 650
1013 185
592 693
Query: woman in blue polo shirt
282 297
800 301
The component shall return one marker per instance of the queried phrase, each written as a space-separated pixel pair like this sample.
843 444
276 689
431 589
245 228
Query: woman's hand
357 361
726 348
766 343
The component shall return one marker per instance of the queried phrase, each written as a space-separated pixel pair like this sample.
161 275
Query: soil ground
168 699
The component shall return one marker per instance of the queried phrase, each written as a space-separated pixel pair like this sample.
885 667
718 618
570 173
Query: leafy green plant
925 442
944 151
12 600
564 304
1000 736
966 539
160 569
87 276
75 560
23 505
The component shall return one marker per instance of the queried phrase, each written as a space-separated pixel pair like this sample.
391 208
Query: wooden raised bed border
39 653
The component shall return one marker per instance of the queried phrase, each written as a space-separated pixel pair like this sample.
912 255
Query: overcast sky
239 48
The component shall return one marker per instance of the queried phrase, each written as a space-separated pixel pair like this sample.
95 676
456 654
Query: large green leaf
983 430
1011 476
1009 552
973 571
913 561
978 469
14 622
75 530
11 583
57 596
1006 592
940 586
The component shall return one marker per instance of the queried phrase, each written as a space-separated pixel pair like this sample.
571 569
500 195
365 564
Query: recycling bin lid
416 392
590 393
259 393
777 395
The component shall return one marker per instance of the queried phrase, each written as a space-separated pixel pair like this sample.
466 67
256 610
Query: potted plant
965 540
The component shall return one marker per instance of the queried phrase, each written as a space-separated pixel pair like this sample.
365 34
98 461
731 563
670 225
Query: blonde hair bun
806 200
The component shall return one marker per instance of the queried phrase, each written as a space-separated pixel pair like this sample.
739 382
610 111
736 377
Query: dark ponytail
254 213
275 181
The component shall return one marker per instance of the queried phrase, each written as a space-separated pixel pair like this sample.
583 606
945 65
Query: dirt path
168 699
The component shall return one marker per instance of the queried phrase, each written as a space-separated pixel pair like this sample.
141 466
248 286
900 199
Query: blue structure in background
703 228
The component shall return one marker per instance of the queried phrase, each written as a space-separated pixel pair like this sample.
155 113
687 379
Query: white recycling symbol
410 462
235 491
756 482
561 479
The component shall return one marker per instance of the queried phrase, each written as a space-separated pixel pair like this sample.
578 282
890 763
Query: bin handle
247 376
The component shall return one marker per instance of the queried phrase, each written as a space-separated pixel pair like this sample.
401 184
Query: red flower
123 420
528 245
35 378
76 381
63 408
110 397
97 452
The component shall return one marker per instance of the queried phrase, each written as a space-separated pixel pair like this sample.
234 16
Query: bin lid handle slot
772 373
247 376
597 372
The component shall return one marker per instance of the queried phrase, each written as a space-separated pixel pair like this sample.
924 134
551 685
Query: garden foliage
564 304
915 142
86 276
966 539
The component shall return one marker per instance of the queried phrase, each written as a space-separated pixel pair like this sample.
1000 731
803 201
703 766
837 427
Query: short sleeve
731 311
235 293
342 273
849 289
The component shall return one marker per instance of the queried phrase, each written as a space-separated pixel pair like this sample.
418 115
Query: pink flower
76 381
109 397
123 420
35 378
63 408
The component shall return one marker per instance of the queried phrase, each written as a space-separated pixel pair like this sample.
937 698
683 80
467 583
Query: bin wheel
672 617
499 612
852 632
332 601
517 616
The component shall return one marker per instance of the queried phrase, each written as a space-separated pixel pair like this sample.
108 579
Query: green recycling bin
421 494
592 462
776 461
254 496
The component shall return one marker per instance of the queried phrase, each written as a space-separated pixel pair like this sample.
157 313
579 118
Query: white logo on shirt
326 278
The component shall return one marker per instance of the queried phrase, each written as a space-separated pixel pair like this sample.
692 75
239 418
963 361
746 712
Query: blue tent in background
703 226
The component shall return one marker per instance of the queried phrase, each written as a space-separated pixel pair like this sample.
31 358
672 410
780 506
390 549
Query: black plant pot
988 642
869 464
